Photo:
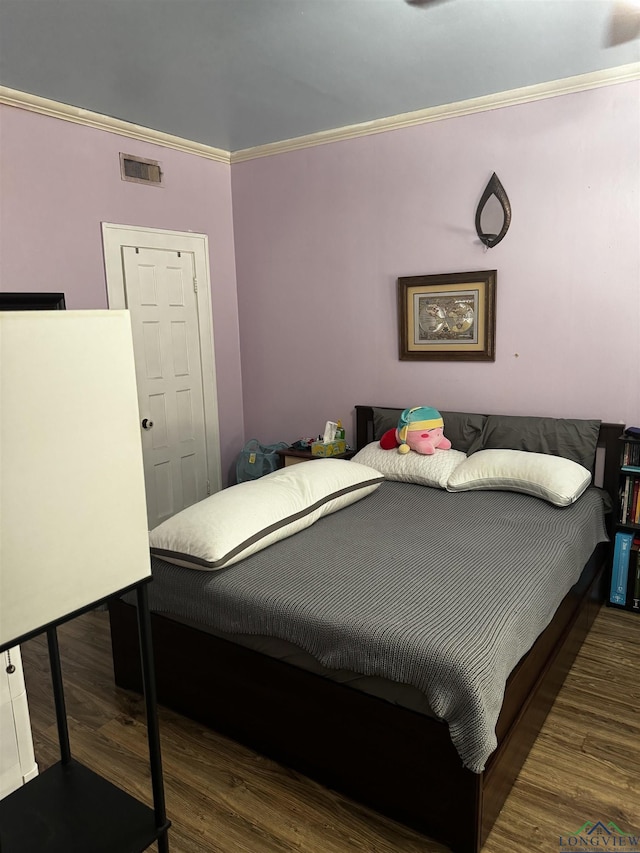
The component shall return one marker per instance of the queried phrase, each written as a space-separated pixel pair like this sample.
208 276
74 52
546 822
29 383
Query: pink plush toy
420 429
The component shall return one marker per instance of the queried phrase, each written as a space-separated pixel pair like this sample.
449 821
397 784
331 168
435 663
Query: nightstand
291 456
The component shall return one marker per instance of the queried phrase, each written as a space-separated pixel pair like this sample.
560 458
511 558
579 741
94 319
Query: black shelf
629 608
70 809
627 471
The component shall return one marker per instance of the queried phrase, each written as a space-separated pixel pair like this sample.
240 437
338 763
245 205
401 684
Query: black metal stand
69 808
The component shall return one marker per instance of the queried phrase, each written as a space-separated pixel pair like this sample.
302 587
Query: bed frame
396 761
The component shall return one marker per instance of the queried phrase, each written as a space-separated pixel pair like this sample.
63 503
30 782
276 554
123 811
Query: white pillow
243 519
411 467
552 478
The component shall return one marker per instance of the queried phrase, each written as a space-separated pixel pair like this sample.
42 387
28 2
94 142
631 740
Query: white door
161 286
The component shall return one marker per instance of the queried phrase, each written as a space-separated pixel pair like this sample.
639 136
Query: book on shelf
629 500
634 574
623 499
631 453
633 504
620 568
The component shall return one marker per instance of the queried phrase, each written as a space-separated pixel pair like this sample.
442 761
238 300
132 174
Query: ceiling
234 74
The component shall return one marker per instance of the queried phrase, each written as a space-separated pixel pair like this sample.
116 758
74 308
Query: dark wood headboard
608 441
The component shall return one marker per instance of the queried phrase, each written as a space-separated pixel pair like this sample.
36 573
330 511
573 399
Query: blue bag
255 460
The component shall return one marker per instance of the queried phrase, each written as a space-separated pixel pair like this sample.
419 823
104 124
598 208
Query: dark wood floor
223 798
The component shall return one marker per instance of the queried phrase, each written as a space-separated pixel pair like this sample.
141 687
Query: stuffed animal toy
420 429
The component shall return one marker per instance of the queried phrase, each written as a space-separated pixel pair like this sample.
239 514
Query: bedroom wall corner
61 180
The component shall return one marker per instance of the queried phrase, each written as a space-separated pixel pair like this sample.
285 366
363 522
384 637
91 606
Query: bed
344 698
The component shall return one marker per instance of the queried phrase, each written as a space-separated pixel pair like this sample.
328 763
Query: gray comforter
445 592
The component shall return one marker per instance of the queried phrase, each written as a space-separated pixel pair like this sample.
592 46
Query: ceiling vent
140 171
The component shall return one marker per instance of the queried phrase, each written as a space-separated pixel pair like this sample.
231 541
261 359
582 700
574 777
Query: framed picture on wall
449 317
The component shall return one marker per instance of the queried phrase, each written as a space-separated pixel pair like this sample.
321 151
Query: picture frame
448 317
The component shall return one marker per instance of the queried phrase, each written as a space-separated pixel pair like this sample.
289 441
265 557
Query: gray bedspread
445 592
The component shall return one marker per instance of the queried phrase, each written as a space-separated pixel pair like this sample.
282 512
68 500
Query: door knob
146 423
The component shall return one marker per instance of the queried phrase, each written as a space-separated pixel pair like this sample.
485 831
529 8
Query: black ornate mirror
493 215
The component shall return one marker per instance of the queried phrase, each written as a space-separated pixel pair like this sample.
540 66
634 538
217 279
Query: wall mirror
493 215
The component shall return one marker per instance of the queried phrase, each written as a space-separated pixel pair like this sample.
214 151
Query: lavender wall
322 235
59 181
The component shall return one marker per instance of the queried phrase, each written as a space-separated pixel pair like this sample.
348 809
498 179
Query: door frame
114 237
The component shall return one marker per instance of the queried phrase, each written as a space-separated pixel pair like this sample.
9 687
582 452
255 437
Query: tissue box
329 448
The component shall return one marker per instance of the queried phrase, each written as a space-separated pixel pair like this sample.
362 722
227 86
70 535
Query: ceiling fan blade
423 3
624 23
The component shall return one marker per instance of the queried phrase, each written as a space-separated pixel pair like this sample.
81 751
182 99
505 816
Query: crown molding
65 112
513 97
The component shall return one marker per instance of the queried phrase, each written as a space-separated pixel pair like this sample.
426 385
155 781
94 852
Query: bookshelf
625 569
